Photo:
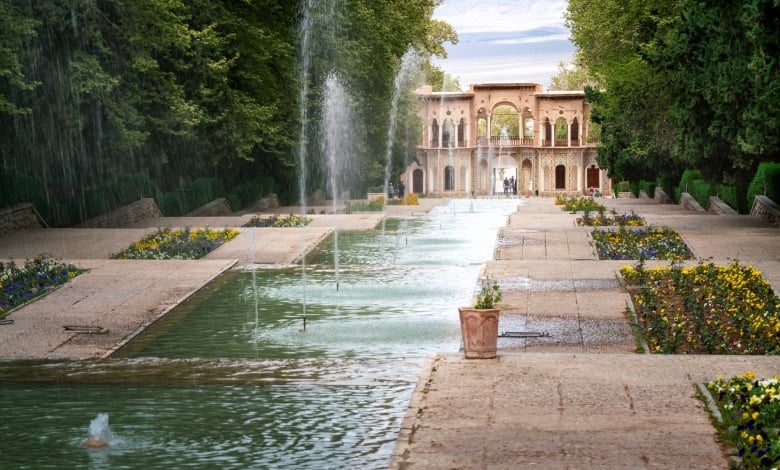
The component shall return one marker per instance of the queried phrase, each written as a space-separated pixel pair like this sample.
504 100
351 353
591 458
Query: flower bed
705 309
375 205
750 417
602 218
578 204
20 284
168 243
649 243
291 220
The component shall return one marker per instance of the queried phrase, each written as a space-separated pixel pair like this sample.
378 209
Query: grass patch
377 205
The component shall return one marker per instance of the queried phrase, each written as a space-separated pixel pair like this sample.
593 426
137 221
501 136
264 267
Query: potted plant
479 324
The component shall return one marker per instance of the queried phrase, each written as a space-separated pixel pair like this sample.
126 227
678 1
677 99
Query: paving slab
94 313
558 410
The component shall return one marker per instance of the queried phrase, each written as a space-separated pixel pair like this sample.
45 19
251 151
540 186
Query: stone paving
580 397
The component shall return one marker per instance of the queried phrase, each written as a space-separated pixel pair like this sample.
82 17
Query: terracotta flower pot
479 328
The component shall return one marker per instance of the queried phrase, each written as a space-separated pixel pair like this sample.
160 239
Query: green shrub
701 191
172 204
623 187
730 196
648 187
634 185
765 182
17 188
249 193
132 187
205 190
687 179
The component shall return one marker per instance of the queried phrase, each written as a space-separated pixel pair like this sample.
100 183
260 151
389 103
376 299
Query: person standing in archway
401 189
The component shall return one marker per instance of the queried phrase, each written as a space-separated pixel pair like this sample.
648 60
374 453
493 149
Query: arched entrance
560 177
449 178
504 167
417 181
593 177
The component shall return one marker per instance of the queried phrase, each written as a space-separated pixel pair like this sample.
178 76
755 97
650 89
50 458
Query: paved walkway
580 397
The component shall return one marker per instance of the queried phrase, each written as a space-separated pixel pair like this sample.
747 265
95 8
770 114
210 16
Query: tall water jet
410 63
404 78
337 147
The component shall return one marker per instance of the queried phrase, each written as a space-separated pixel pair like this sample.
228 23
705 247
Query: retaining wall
767 209
717 206
216 208
125 215
690 203
20 217
269 202
661 197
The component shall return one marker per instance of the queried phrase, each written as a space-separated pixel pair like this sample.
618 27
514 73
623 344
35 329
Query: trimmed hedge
765 182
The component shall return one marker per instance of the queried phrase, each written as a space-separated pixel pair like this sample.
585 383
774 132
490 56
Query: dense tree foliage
685 84
92 91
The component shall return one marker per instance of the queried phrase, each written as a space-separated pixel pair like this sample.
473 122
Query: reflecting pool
229 379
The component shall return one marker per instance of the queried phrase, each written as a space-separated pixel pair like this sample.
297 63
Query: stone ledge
269 202
661 197
125 215
717 206
20 217
688 201
215 208
767 209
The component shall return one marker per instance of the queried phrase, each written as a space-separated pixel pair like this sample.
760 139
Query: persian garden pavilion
474 140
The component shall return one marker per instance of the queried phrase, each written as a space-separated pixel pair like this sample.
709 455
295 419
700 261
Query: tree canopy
684 84
182 89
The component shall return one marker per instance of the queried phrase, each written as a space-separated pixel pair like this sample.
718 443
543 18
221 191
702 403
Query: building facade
475 140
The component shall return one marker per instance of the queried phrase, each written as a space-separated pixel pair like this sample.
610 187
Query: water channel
229 380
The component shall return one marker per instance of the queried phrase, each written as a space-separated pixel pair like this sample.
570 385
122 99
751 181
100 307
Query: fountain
407 74
100 434
226 380
336 147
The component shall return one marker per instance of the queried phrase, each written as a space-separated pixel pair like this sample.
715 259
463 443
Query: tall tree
631 102
722 61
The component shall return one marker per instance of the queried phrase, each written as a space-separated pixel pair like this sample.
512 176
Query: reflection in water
228 380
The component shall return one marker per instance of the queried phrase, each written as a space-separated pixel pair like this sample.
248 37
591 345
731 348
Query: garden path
581 397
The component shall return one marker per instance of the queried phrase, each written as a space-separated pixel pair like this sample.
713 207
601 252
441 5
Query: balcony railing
515 142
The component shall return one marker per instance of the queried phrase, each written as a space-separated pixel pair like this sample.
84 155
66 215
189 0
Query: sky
505 40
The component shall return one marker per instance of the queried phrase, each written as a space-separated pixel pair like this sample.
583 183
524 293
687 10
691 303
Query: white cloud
469 16
505 40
